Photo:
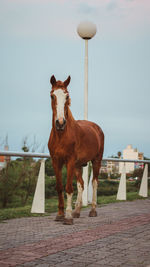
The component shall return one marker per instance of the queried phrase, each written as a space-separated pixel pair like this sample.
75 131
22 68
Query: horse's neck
70 117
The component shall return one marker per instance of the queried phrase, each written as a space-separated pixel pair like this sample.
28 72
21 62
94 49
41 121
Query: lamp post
86 31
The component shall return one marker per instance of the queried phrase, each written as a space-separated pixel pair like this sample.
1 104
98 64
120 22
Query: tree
25 147
18 179
10 181
138 173
119 154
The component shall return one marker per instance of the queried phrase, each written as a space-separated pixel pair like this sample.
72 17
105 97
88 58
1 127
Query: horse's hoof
68 221
93 213
59 218
76 215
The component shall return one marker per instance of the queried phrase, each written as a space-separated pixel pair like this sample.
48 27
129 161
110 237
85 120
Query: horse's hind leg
96 167
80 187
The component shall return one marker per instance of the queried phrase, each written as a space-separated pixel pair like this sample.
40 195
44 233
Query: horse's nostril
60 125
57 122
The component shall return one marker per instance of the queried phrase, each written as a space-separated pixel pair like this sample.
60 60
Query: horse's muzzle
60 126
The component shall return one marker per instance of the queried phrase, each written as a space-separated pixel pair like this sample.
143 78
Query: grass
51 206
131 196
19 212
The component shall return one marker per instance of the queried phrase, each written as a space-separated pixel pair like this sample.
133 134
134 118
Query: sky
39 39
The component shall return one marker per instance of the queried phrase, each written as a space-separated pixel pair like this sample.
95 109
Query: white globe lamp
86 30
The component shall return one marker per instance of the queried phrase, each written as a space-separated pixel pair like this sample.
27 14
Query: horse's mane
70 116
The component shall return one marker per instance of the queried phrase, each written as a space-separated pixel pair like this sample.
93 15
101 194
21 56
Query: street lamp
86 31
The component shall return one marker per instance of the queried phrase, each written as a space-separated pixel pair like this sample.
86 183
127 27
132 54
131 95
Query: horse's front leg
69 192
59 187
80 187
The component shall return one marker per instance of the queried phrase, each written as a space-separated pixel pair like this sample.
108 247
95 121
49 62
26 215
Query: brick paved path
119 236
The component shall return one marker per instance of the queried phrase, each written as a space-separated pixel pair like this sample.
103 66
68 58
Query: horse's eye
67 97
52 97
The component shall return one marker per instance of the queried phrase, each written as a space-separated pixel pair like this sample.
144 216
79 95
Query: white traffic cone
38 205
144 183
121 195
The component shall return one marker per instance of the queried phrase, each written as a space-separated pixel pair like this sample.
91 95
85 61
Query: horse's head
60 102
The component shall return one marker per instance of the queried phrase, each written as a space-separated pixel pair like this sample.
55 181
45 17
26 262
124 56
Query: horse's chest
62 150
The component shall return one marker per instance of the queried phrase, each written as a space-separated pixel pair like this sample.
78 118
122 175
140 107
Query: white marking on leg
69 206
94 199
79 196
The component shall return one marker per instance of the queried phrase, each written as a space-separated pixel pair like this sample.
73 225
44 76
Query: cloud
36 19
86 8
112 5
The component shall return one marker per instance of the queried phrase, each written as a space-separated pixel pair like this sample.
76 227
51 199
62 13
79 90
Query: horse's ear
53 80
66 82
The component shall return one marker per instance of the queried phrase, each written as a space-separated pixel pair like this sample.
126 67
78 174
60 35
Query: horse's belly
81 163
88 149
86 154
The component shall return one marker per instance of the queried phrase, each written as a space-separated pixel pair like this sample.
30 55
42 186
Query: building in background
130 153
103 168
5 159
2 162
109 167
112 167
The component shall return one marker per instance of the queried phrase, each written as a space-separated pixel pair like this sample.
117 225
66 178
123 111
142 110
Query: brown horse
72 143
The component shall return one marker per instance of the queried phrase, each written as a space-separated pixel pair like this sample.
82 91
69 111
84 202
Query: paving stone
118 236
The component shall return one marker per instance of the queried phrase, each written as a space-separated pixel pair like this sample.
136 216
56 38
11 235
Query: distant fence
46 155
24 154
38 205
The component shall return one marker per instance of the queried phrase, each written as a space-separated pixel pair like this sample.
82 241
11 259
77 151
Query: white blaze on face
61 99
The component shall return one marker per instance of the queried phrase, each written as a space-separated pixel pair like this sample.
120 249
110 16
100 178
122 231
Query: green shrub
49 171
50 187
107 188
17 182
103 175
50 184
